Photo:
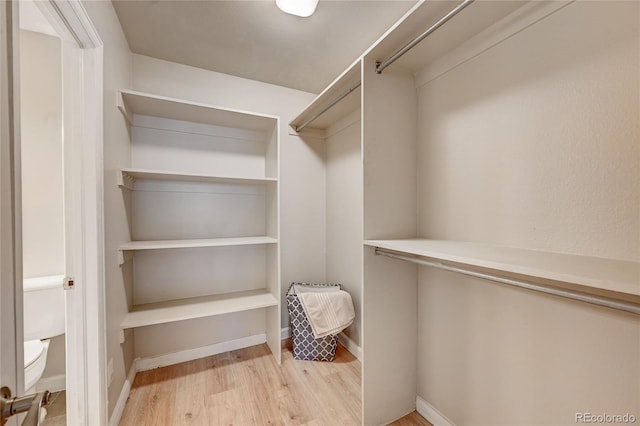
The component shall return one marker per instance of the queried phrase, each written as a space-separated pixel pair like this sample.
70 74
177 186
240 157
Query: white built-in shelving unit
204 215
386 209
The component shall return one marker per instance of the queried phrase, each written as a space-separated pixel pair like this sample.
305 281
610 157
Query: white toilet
44 314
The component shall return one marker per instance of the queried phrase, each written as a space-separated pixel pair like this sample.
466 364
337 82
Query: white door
82 111
10 250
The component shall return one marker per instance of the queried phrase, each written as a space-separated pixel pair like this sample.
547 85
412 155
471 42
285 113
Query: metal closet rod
381 65
327 108
569 294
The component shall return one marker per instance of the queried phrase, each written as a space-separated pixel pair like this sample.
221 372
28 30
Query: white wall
534 143
302 185
41 116
41 143
117 154
538 137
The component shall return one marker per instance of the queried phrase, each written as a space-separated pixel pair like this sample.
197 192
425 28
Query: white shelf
346 81
199 242
592 272
197 307
476 18
130 175
131 102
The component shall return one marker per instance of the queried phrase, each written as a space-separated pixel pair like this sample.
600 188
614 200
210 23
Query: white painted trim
55 383
84 231
350 345
143 364
116 415
429 412
285 333
524 17
11 336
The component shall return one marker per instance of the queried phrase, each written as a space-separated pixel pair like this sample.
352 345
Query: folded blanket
329 312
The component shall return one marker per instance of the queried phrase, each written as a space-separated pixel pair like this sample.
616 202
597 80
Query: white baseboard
429 412
285 333
122 399
143 364
350 345
55 383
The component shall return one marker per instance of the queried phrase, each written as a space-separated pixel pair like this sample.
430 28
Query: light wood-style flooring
247 387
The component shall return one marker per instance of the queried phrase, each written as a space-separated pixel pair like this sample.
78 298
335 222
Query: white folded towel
329 312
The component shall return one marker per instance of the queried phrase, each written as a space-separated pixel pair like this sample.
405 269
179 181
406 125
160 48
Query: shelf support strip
569 294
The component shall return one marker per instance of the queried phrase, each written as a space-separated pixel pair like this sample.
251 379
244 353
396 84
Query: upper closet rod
312 119
570 294
380 66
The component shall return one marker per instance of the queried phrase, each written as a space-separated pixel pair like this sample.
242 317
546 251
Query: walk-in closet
463 176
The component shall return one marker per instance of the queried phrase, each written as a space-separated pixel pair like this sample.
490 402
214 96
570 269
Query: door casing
82 55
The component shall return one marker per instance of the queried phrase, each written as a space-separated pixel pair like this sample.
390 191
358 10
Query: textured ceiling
254 39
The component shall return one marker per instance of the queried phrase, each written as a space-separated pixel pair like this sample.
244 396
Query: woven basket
305 346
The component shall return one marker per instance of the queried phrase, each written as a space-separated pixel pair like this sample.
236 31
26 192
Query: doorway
74 247
42 179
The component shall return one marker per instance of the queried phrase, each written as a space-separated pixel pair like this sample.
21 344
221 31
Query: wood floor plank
411 419
161 400
245 388
294 405
190 409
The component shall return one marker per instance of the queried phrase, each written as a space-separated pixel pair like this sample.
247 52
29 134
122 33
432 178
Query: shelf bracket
124 256
125 181
123 334
122 106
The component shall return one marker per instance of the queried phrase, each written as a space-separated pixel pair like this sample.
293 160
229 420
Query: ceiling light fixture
303 8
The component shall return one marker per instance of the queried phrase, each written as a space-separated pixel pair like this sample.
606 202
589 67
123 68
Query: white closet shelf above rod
327 108
566 293
333 103
381 65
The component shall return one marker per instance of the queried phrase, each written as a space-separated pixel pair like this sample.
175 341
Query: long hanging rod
380 66
327 108
569 294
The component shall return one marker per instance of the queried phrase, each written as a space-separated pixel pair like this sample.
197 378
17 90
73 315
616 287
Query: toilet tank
43 307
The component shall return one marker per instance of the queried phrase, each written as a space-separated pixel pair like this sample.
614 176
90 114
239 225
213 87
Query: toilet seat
35 360
32 351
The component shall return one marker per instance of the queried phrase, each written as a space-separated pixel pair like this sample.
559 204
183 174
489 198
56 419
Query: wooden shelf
193 243
461 29
197 307
347 80
592 272
132 102
128 176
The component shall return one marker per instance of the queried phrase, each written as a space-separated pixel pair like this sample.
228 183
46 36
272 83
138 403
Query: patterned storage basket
305 346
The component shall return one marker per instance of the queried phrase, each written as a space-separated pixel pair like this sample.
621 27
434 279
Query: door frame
11 355
82 59
82 55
